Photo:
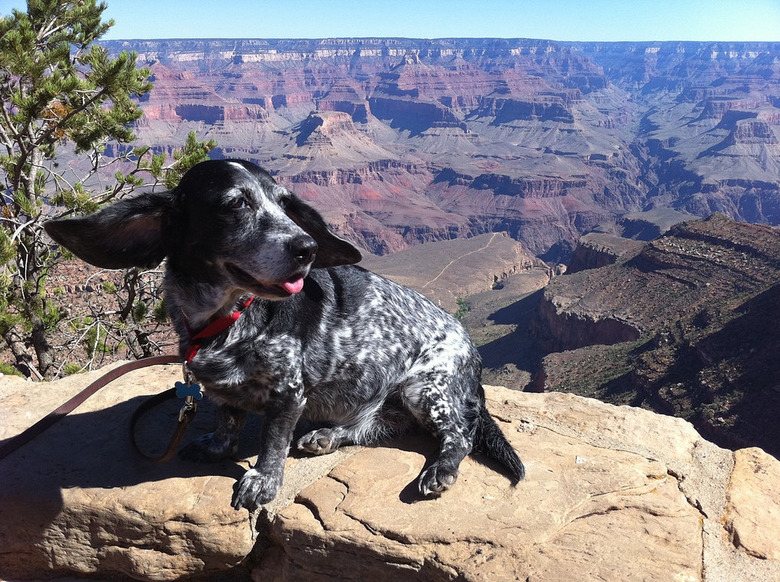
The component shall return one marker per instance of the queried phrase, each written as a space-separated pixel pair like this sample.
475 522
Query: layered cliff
540 139
694 323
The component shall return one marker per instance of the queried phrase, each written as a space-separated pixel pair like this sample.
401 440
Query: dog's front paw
209 449
254 489
435 480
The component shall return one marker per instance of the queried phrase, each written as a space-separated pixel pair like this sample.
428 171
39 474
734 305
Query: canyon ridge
403 141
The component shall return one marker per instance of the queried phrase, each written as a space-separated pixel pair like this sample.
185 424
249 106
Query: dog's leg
261 483
443 472
436 400
371 423
223 442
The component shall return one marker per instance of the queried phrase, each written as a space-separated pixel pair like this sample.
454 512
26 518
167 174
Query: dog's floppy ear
125 234
332 250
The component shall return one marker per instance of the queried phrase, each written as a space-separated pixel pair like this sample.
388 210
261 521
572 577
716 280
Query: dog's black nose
303 249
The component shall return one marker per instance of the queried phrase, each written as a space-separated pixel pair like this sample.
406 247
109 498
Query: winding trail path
456 259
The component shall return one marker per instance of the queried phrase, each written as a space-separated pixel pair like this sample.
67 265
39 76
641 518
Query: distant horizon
553 20
432 39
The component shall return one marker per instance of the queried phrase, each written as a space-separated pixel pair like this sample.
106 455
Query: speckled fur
356 355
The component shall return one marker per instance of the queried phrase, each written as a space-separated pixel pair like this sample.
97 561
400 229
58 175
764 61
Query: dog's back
374 340
374 351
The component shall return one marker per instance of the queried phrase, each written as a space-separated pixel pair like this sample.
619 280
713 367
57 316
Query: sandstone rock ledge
612 493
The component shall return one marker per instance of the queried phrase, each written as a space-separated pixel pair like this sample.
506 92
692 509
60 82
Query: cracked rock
649 500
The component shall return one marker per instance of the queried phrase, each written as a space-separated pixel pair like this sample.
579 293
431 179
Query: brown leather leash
50 419
189 390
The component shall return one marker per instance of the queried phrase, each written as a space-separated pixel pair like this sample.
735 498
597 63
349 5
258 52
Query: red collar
214 328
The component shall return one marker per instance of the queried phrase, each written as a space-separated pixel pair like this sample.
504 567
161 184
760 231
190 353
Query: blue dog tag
184 390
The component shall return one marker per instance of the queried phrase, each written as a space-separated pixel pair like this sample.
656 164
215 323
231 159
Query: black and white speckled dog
323 341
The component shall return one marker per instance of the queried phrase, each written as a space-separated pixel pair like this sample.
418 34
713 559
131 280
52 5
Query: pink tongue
293 287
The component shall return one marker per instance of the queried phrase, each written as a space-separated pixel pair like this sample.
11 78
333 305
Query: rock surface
612 493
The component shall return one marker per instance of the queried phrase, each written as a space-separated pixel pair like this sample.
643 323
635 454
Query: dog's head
227 220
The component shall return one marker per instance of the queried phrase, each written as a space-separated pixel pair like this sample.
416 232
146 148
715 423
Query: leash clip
190 391
189 407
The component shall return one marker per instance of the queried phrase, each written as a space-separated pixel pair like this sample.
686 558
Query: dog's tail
492 442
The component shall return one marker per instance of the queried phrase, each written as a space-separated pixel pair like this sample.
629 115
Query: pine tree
61 92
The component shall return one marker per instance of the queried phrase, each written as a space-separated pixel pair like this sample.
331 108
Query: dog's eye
243 201
242 198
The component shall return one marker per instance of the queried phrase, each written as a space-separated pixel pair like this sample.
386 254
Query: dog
322 340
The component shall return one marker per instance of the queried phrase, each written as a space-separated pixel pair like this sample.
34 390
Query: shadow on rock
93 450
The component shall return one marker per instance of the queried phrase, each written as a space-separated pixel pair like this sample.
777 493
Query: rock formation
447 271
615 493
540 139
693 319
596 250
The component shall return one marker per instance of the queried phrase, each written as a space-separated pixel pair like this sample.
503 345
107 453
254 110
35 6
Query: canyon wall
687 326
401 141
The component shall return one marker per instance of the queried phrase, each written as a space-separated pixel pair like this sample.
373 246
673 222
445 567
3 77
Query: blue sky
579 20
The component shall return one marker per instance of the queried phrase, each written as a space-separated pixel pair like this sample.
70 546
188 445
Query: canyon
498 154
685 325
405 141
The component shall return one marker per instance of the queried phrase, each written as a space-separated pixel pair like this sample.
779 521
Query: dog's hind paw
207 449
435 480
255 489
320 442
